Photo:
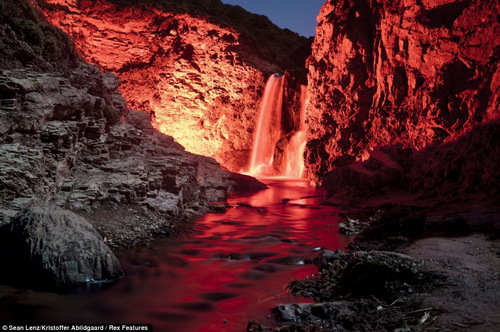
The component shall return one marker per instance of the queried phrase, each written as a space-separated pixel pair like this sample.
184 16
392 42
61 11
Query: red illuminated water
268 129
294 152
231 269
268 132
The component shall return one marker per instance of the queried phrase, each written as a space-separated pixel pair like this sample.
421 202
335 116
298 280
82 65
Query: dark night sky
296 15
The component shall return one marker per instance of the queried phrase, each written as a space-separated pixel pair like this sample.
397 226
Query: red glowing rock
399 72
190 74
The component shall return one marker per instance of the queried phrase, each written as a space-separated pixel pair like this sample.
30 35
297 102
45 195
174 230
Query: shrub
49 42
28 31
255 29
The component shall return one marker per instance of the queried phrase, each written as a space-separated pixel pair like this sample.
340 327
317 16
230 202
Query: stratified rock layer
399 72
202 85
66 136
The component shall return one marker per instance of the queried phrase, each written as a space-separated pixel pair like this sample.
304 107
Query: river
233 267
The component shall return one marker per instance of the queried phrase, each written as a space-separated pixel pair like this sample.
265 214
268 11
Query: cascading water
294 152
269 133
268 129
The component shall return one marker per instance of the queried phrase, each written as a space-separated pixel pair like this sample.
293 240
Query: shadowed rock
56 247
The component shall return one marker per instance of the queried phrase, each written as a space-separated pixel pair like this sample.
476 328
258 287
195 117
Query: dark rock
299 312
245 183
60 248
389 225
376 176
254 326
287 260
217 208
386 275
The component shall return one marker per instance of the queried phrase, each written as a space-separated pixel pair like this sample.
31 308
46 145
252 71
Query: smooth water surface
231 269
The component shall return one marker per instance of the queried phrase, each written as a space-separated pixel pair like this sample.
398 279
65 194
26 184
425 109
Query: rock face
411 72
201 82
59 248
57 144
67 136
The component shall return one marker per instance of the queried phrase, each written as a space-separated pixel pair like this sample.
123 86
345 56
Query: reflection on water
230 270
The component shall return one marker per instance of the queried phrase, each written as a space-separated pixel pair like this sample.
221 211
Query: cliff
68 138
199 68
408 73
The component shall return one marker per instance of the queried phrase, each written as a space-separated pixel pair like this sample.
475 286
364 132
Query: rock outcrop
59 247
57 144
414 73
201 82
66 136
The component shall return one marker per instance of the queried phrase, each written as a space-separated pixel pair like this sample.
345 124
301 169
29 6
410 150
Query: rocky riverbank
404 272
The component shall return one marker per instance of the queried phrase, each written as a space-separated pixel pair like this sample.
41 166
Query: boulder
362 274
58 248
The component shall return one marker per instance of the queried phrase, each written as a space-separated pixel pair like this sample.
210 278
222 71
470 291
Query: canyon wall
408 72
67 138
201 82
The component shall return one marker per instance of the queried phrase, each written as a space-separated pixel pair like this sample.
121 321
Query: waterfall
294 152
268 129
272 140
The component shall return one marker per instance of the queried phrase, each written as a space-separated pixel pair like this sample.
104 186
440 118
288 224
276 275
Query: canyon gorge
124 121
201 82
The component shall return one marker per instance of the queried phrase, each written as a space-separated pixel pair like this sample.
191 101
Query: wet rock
245 183
314 313
350 226
217 208
287 260
391 226
327 257
386 275
59 247
254 326
245 205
